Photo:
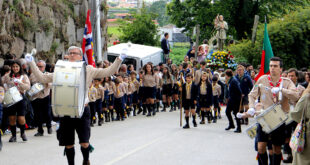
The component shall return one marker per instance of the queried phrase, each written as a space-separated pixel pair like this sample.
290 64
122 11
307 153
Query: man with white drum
268 88
68 126
41 103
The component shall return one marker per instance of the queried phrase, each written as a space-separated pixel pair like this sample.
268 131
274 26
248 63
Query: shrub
289 37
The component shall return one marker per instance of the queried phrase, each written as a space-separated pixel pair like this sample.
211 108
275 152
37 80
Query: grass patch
114 31
177 54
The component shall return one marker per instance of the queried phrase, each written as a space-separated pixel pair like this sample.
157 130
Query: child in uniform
205 97
189 99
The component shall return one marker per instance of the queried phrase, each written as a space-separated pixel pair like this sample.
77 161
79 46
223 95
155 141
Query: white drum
11 97
35 89
69 86
272 118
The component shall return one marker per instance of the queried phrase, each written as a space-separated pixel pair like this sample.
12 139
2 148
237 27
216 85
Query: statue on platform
221 27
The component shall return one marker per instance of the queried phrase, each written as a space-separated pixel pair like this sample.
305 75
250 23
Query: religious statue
221 26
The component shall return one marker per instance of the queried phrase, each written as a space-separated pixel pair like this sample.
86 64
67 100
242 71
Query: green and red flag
267 54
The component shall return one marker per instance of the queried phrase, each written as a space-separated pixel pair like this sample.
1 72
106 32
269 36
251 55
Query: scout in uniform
189 99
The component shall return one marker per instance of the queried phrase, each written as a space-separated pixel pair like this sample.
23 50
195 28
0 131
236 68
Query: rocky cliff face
50 26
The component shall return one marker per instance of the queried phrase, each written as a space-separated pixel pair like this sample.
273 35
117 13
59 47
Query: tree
289 37
159 8
140 29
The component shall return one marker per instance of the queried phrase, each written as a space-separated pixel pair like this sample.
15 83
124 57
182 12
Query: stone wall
50 26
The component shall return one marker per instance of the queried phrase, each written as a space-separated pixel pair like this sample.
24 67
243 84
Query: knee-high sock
144 106
203 115
174 104
149 107
214 113
70 155
263 159
194 118
287 149
277 159
22 129
13 130
187 119
85 153
157 106
111 113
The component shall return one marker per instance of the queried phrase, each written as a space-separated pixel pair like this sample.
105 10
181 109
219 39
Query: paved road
142 141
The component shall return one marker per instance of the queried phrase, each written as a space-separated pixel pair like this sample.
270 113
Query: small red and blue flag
87 44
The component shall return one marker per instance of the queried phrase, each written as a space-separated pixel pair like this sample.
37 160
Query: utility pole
95 16
197 39
105 30
256 19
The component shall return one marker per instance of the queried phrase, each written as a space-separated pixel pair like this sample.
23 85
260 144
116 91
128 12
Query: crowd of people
126 92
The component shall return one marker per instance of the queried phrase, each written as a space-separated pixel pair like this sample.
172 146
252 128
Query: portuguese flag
267 54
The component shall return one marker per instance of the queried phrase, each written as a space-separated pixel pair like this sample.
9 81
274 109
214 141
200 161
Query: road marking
138 149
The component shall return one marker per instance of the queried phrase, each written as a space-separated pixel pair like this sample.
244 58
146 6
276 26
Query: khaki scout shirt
111 87
131 87
300 89
100 92
1 94
150 80
216 89
120 90
92 92
289 92
136 85
197 76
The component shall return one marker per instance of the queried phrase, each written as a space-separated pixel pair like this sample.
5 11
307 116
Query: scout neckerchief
213 86
188 86
117 89
17 77
277 85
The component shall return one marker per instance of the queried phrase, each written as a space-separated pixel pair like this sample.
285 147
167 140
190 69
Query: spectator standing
165 46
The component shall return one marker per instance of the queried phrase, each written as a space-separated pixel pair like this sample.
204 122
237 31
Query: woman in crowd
175 87
167 88
17 78
150 81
